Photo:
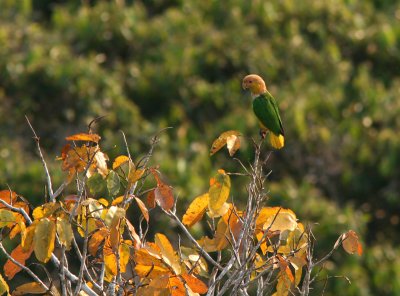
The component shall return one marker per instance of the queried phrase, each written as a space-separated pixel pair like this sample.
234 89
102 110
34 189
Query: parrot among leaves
266 110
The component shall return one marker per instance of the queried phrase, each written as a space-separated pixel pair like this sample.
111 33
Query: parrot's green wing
266 110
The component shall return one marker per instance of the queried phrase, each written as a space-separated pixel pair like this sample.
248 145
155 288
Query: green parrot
266 110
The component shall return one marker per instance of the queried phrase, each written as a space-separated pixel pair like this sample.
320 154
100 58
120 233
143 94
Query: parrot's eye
250 81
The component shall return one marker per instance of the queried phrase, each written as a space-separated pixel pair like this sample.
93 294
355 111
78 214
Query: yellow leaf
196 285
283 285
124 255
219 241
143 209
65 233
222 140
119 160
27 237
84 137
3 286
7 218
113 214
43 240
135 175
10 268
276 218
45 210
233 144
218 193
351 243
117 201
151 271
167 252
196 210
29 288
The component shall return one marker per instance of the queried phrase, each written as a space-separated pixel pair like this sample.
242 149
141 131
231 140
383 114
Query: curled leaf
229 138
351 243
220 186
84 137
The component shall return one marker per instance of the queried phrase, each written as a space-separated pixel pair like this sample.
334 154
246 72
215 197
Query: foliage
331 65
270 249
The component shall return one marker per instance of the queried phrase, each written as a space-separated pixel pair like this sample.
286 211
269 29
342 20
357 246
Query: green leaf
6 217
220 186
96 184
113 183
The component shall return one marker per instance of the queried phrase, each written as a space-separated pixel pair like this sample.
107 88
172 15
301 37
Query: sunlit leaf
233 144
100 161
167 252
7 218
136 239
27 237
120 160
18 227
84 137
196 210
163 193
29 288
351 243
135 175
45 210
276 218
65 233
3 286
118 200
10 268
113 214
195 284
143 209
8 196
220 186
176 287
221 141
43 240
113 183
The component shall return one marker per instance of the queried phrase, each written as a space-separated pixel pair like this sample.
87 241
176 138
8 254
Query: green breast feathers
266 110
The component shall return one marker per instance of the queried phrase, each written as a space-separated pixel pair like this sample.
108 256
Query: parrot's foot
263 134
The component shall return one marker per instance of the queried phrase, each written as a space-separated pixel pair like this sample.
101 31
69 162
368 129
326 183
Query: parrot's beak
244 85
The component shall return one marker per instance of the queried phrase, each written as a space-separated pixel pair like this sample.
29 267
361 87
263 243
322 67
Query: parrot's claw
263 134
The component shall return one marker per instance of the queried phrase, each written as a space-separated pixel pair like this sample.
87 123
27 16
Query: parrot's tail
277 141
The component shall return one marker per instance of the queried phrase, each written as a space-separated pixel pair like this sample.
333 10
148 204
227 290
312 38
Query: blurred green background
333 67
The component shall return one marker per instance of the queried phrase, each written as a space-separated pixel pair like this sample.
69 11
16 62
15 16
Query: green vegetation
331 65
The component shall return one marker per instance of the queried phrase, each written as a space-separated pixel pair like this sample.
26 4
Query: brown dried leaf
143 209
351 243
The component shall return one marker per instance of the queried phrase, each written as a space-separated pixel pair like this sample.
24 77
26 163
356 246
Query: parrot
265 109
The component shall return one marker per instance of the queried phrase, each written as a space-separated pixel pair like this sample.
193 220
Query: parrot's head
255 84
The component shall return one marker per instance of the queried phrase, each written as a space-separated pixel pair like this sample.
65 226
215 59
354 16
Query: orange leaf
84 137
151 200
120 160
176 287
118 200
196 210
136 239
164 197
8 196
10 268
96 239
223 139
196 285
143 209
351 243
29 288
